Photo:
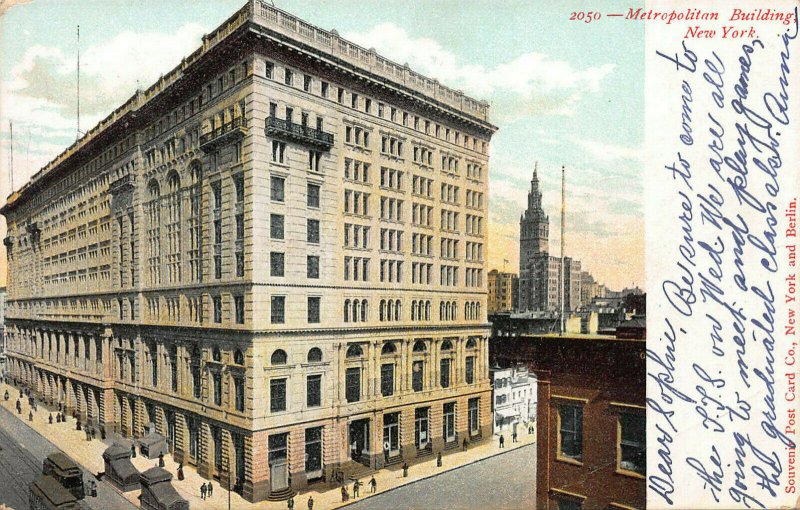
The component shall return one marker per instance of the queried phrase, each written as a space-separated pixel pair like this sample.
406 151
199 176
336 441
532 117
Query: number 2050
585 16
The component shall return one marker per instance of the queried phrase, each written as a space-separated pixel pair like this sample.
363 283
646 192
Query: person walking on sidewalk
310 503
514 437
210 489
464 445
161 459
180 471
502 441
356 487
345 494
203 490
373 485
290 503
405 469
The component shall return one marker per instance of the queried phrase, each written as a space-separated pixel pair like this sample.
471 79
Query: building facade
275 254
503 292
539 272
591 450
515 398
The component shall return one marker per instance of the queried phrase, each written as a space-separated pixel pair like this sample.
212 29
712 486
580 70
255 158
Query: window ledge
631 474
568 460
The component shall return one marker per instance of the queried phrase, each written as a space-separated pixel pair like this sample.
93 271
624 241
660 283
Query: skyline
555 98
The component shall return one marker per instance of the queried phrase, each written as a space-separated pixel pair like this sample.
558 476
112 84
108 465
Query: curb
496 454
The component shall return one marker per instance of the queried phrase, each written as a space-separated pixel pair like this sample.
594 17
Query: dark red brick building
590 417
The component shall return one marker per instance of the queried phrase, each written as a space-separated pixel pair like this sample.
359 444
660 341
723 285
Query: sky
561 93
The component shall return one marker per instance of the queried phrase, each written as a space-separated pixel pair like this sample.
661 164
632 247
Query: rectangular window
570 432
270 70
324 89
287 77
196 387
387 379
314 390
277 187
217 377
421 431
567 503
238 302
312 195
417 375
313 455
472 416
312 231
444 370
217 309
277 395
276 264
313 310
449 422
276 226
278 309
238 388
353 384
469 369
307 83
631 446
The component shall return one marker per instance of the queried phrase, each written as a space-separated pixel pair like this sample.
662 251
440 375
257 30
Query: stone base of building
255 492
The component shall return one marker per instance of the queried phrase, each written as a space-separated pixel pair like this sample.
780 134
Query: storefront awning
506 413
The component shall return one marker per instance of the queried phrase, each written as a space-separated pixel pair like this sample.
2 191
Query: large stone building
539 272
503 291
275 254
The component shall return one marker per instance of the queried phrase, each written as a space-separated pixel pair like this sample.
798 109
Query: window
314 450
217 309
217 377
276 226
238 303
287 77
278 151
421 432
469 369
570 432
353 384
313 310
449 422
278 357
277 395
306 83
278 309
312 266
314 355
472 416
270 70
324 89
276 264
314 390
312 231
444 369
417 375
153 365
387 379
312 195
238 388
632 453
277 187
567 503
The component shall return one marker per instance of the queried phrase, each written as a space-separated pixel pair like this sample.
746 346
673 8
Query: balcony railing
280 128
233 130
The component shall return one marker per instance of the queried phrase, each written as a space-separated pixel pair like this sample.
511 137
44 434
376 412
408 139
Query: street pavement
502 482
22 452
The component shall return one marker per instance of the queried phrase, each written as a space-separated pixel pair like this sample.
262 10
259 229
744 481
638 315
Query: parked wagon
66 472
46 493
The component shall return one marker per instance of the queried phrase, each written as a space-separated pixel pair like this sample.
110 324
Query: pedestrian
161 459
439 459
94 433
92 489
290 503
102 432
345 495
58 417
19 407
356 487
5 395
203 490
502 441
373 485
50 419
133 453
180 471
310 503
88 435
30 415
210 489
405 469
514 437
78 425
464 445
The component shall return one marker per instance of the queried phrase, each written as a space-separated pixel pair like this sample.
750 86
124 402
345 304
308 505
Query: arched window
388 348
364 310
195 218
356 306
278 357
471 343
466 311
390 310
397 310
216 354
419 346
153 212
441 311
174 220
354 351
314 355
382 310
427 310
347 310
447 345
238 357
414 310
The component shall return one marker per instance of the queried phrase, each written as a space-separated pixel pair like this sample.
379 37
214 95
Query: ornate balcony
233 130
298 133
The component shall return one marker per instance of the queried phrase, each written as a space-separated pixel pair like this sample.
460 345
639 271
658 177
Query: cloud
5 5
530 84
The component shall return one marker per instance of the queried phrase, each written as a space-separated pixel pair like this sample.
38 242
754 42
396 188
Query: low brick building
590 419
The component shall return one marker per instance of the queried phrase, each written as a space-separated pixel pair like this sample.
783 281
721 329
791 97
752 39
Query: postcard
397 255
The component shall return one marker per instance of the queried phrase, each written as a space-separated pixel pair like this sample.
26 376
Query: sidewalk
89 454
